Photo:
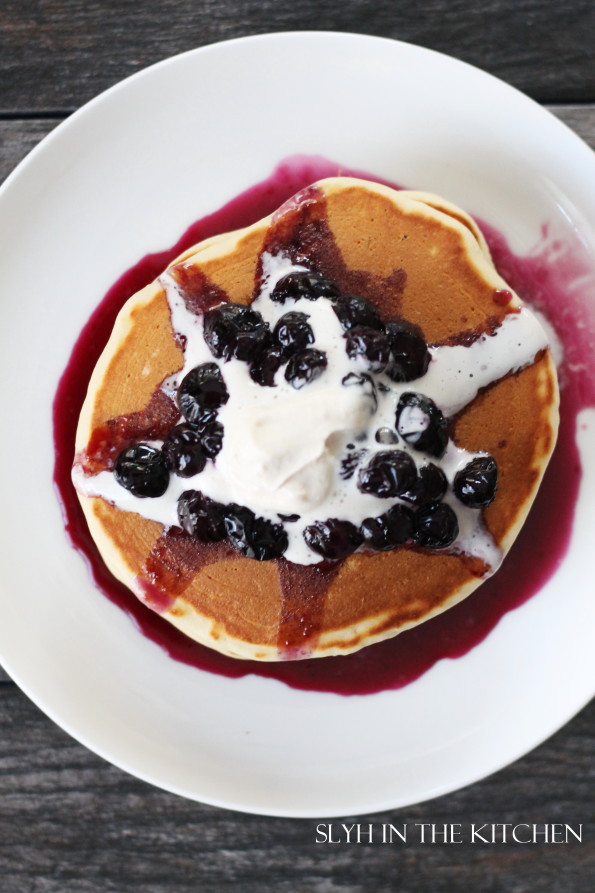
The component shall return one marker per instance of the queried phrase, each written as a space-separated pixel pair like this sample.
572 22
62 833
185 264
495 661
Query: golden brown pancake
416 257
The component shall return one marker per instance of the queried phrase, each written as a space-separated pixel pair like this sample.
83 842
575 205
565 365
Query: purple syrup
540 547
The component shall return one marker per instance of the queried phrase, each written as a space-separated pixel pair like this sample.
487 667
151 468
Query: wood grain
57 54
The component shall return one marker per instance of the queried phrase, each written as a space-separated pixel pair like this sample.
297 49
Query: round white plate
126 175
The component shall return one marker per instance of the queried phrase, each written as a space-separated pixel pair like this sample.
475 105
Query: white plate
126 175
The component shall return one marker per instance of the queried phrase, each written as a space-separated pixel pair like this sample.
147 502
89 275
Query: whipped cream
282 447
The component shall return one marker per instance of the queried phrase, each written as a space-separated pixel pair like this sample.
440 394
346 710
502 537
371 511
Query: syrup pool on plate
546 279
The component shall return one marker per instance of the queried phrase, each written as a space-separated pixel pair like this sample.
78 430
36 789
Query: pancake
419 261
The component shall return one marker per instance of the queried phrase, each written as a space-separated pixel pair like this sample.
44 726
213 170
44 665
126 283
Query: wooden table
68 820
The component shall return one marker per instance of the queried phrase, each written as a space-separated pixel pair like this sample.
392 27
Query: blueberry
142 470
220 328
239 523
436 526
430 486
369 344
333 538
265 366
202 392
303 284
250 344
269 540
305 366
211 437
376 533
388 473
234 330
475 485
410 356
254 537
389 530
183 451
400 520
293 333
421 424
354 311
201 516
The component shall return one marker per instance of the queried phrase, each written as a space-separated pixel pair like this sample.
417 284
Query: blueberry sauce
544 279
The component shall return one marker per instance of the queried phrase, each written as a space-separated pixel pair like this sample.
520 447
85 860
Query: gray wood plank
17 138
580 118
57 54
71 822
